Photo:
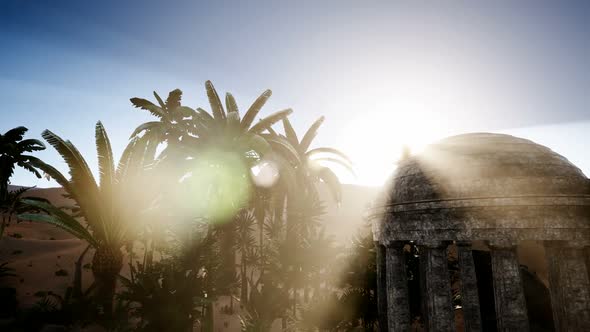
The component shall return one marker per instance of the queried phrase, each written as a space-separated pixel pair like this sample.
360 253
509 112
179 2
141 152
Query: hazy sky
383 73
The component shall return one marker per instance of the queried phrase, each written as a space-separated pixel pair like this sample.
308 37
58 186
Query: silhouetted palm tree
108 214
310 168
13 149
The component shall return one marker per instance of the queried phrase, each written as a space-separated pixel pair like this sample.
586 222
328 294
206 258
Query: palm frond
230 103
30 145
254 109
290 132
282 147
106 164
15 134
147 105
29 167
57 217
82 185
174 98
160 101
310 134
52 172
147 126
340 162
270 120
255 142
216 106
333 151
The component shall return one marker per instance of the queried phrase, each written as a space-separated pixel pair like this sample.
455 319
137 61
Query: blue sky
383 73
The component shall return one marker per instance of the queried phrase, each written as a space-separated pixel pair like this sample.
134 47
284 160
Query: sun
375 141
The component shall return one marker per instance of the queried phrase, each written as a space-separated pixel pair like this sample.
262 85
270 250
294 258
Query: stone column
436 287
569 286
398 305
511 311
469 293
381 285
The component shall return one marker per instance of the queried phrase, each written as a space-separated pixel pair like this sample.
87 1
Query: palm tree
225 131
310 168
107 208
175 121
13 205
12 153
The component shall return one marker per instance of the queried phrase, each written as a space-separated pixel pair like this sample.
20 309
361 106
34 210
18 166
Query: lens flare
265 174
217 186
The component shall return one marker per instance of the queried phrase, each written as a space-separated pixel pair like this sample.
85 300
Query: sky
384 73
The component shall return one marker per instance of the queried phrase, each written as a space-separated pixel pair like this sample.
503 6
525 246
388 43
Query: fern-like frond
332 151
147 105
254 109
268 121
290 132
310 134
216 106
106 164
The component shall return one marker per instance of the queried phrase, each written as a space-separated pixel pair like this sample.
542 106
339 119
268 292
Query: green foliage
184 196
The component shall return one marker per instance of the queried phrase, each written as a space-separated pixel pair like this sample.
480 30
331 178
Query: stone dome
484 165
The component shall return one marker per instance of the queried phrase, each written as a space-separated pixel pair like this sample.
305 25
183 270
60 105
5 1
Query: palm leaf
340 162
15 134
333 151
310 134
255 142
106 164
67 225
147 105
160 102
124 160
173 100
30 145
66 219
254 109
270 120
216 106
52 172
230 103
151 125
29 167
282 147
290 132
82 183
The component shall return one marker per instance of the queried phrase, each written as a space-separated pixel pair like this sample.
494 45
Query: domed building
491 189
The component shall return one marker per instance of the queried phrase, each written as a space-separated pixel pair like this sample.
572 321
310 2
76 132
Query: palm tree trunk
244 288
78 274
209 324
106 266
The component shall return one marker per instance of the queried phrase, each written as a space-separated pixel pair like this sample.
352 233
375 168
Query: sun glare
379 140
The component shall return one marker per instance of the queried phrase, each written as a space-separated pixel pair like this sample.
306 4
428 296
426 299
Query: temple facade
494 190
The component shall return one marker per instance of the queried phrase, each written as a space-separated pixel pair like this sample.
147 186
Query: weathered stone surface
485 165
381 285
511 310
436 287
496 188
469 294
398 306
569 287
